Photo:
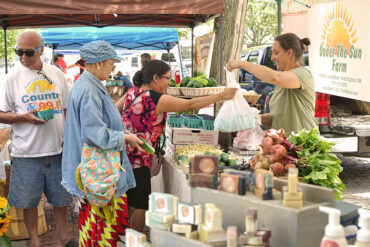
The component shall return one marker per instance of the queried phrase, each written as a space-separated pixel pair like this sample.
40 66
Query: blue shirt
92 118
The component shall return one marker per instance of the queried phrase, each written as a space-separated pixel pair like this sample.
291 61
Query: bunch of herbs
319 166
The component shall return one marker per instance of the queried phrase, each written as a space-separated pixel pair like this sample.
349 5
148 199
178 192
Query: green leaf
5 241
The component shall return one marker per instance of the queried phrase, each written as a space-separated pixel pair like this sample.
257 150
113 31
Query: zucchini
148 148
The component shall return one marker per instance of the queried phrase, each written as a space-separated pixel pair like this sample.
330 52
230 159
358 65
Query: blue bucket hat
98 51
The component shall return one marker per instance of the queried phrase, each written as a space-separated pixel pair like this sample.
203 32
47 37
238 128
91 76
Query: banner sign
340 47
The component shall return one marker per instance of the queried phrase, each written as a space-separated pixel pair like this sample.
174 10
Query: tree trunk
233 33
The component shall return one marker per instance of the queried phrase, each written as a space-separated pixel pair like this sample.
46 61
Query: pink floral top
140 119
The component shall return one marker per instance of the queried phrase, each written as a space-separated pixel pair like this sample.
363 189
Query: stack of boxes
162 211
211 231
293 198
188 130
252 236
189 216
203 171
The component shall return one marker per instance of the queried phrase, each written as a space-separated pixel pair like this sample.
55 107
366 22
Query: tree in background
260 22
11 36
232 37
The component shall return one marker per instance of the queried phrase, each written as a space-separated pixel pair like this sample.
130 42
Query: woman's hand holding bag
235 114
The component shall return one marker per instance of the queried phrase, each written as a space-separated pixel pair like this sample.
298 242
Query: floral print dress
140 119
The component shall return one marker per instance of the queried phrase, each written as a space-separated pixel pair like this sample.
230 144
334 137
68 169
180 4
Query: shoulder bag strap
137 96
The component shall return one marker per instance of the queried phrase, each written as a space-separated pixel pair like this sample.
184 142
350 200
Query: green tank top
294 109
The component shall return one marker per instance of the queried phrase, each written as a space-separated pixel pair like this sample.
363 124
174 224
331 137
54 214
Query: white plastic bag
250 139
235 114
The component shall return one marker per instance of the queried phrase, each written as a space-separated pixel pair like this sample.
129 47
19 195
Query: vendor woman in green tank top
292 106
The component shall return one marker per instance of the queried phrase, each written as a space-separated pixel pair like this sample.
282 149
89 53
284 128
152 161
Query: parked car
258 55
261 55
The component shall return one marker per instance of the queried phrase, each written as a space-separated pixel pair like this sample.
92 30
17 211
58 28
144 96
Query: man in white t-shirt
36 144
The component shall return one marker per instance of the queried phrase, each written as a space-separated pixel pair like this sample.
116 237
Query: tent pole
5 51
180 57
192 52
221 35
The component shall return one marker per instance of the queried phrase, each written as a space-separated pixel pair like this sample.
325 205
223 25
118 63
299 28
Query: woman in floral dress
144 110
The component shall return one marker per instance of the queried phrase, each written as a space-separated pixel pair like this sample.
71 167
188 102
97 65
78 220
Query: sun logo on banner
338 29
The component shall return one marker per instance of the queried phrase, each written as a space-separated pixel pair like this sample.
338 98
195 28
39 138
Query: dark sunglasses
29 53
46 78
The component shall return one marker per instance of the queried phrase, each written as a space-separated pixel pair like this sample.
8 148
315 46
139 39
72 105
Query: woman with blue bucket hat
94 137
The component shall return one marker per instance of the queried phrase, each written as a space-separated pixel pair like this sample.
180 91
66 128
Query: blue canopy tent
123 38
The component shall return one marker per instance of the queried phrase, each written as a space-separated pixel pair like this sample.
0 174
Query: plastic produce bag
250 139
235 114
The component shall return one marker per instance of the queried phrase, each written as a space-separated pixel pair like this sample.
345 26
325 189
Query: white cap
363 235
333 228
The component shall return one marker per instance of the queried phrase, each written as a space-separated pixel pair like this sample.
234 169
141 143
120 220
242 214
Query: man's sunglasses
29 53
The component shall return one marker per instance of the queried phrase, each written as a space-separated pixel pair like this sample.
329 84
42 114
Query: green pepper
190 83
185 81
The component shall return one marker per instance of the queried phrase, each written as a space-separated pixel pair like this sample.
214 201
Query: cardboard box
187 136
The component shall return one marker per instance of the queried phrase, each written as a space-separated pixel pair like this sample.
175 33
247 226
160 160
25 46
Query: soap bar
155 224
293 180
160 218
134 238
212 218
204 164
297 196
265 234
231 236
259 182
189 213
184 228
203 180
163 203
293 204
248 176
205 235
251 221
232 183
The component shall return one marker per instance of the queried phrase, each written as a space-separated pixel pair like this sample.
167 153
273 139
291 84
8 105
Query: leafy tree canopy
11 36
260 22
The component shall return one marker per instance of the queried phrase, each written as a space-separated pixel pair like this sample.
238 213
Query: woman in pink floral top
144 110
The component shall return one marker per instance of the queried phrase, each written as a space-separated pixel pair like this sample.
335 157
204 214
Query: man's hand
134 141
31 118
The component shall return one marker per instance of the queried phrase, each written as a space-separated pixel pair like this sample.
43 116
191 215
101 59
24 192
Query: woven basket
174 91
194 92
252 99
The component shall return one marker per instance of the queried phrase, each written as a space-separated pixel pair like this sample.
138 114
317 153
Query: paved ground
356 177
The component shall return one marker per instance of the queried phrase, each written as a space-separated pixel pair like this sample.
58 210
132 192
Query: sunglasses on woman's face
29 53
